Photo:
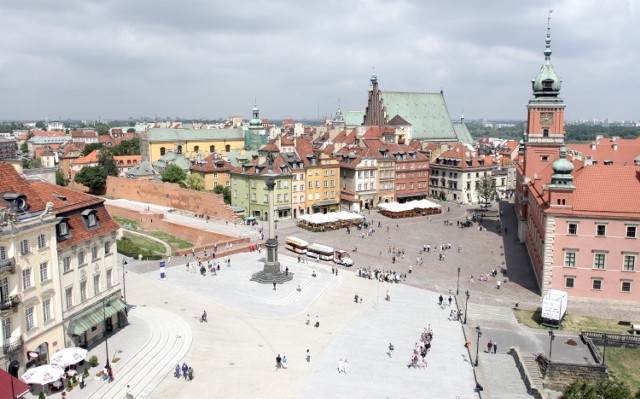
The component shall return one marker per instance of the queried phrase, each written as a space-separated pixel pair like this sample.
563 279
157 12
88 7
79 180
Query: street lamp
106 337
124 281
478 343
458 284
552 336
466 306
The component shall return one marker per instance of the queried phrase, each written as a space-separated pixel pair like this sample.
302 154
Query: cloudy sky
301 58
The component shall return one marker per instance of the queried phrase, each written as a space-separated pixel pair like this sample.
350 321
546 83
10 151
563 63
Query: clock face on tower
546 119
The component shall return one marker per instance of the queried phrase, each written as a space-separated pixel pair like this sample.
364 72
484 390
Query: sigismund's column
271 264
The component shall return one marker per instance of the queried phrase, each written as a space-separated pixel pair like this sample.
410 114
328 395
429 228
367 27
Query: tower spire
547 50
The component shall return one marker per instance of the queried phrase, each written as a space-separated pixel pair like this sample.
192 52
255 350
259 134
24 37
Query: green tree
102 129
195 182
60 180
173 174
225 191
127 147
486 189
131 130
40 125
90 148
94 177
24 147
106 161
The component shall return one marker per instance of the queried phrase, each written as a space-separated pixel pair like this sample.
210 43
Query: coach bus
319 251
296 245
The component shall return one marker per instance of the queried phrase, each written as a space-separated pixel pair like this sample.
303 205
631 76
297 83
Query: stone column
271 265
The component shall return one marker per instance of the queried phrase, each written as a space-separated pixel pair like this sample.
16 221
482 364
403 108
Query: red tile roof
619 150
12 182
211 164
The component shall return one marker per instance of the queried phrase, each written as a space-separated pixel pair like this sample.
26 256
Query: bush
86 371
73 380
93 361
128 248
42 395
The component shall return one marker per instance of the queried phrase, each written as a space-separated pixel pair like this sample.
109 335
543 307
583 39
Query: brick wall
170 195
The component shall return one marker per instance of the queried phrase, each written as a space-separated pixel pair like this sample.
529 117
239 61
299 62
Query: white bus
296 245
319 251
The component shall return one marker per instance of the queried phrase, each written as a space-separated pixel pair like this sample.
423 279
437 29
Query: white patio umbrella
42 375
68 356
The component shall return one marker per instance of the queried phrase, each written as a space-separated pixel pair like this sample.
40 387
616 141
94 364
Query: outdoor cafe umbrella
43 375
68 356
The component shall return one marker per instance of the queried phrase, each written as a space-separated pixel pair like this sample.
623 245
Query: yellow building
194 144
322 177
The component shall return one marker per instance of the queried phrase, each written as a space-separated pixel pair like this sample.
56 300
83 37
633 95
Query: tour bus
319 251
296 245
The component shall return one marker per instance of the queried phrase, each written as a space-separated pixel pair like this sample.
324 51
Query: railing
10 303
8 264
13 346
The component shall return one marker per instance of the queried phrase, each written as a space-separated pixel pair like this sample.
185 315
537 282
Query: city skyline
92 60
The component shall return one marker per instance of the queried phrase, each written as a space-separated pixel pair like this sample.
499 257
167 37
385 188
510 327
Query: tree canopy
225 191
94 177
486 189
105 160
173 174
195 182
90 148
127 147
603 389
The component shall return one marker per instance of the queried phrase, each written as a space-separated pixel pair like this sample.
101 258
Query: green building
249 189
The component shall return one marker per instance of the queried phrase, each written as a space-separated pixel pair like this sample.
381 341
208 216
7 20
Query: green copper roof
172 135
463 133
144 169
353 118
547 82
182 162
426 112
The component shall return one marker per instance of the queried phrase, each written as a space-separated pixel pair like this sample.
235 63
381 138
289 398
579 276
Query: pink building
578 209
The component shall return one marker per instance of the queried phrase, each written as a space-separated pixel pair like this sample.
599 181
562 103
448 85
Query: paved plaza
249 324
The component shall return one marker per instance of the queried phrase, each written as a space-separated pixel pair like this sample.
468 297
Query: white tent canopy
318 218
344 215
407 206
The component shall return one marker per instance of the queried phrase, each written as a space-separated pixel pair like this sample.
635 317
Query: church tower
544 133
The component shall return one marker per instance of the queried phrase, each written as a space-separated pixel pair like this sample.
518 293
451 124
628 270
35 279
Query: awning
93 316
324 203
411 195
283 208
11 387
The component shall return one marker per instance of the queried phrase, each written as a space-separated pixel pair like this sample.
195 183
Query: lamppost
604 351
124 281
106 337
478 343
466 306
552 336
458 284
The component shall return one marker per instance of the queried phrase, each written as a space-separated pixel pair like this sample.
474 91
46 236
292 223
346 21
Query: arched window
545 132
227 148
179 149
212 148
162 151
196 149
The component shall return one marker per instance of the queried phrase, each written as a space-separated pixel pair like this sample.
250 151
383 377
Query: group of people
187 372
389 276
281 362
421 349
343 366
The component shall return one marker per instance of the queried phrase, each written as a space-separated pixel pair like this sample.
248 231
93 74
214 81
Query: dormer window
90 218
63 228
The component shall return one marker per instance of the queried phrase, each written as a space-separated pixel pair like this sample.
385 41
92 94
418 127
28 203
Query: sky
102 59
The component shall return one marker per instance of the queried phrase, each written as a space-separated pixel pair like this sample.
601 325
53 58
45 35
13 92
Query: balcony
7 265
13 346
11 303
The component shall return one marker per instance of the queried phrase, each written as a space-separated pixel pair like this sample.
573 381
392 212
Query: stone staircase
502 379
529 363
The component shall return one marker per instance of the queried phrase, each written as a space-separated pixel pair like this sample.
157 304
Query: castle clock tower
545 117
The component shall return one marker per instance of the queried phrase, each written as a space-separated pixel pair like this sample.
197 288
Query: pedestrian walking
317 321
278 361
391 349
274 285
185 370
495 347
489 346
308 319
308 356
203 318
284 362
498 284
440 299
177 374
340 366
345 366
450 299
471 279
356 297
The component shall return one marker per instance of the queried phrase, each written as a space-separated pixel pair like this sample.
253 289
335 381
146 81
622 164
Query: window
96 284
163 151
44 271
629 264
227 148
279 198
569 258
24 247
69 297
42 241
625 286
326 184
631 231
196 149
265 198
544 158
596 284
107 247
317 183
212 148
26 279
302 187
254 197
28 315
6 328
286 198
279 184
80 257
63 229
601 230
3 253
94 252
109 277
310 184
66 263
253 184
83 291
91 220
46 310
599 260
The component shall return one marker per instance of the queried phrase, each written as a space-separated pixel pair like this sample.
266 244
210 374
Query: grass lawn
175 242
145 245
623 365
130 224
571 322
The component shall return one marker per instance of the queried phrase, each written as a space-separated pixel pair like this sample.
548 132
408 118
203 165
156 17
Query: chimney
593 145
615 146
